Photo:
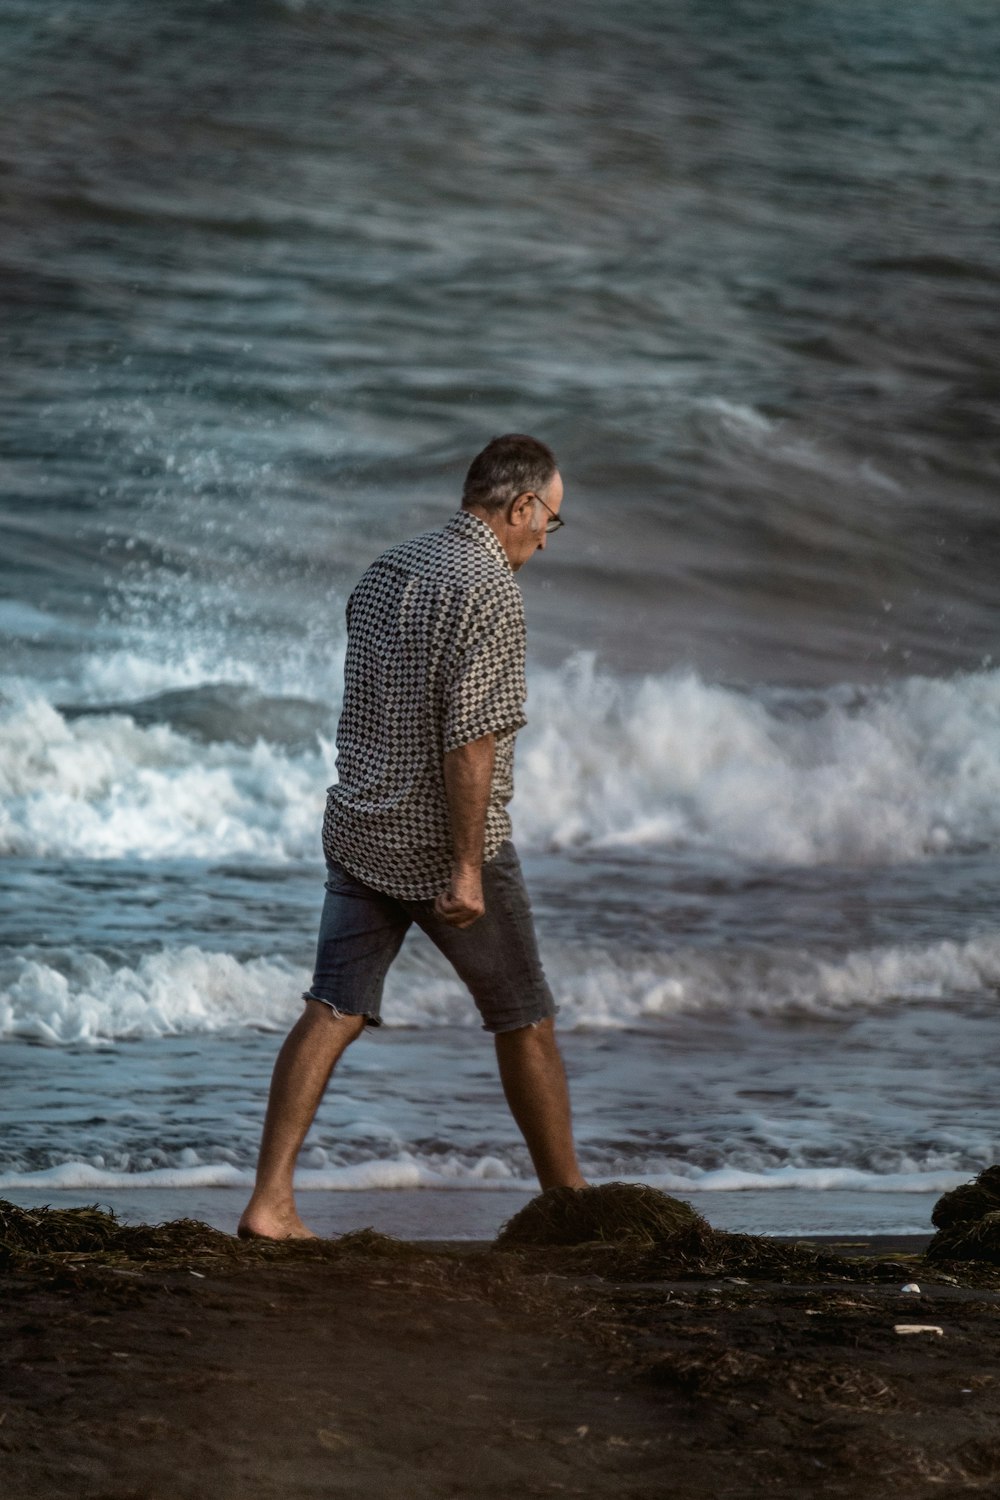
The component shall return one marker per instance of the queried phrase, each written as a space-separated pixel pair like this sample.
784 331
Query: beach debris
968 1221
631 1231
616 1213
918 1328
76 1238
849 1387
976 1241
333 1442
911 1286
970 1202
618 1231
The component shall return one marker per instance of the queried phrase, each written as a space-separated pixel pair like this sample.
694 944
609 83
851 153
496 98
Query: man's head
515 487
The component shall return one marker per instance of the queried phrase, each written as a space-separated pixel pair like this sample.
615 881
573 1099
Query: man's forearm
468 776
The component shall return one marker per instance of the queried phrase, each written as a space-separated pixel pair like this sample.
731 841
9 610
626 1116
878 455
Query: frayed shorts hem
340 1013
502 1027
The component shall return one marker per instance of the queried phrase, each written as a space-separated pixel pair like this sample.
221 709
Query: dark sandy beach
395 1370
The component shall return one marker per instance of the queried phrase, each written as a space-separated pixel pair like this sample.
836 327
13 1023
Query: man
417 829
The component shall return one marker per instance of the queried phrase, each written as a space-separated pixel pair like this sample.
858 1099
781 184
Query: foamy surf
886 776
80 998
403 1172
489 1174
103 787
844 776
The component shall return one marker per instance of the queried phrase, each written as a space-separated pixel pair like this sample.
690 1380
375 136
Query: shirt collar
464 523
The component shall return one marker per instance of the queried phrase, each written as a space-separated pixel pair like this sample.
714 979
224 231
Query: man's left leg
534 1084
497 957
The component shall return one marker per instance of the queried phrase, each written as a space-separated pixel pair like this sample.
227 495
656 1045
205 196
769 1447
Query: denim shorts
361 930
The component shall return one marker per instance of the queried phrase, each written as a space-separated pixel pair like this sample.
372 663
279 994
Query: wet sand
453 1371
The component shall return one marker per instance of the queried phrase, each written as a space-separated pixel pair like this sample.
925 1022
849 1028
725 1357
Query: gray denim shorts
361 930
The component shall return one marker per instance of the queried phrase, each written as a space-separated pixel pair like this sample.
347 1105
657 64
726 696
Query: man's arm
468 775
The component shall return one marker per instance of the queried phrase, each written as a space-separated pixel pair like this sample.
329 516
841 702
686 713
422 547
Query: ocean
270 274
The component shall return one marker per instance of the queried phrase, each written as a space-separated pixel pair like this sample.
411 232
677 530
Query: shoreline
467 1215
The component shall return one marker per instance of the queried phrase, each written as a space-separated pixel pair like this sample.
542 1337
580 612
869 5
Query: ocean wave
846 776
104 787
71 997
843 776
488 1174
403 1171
74 997
808 1179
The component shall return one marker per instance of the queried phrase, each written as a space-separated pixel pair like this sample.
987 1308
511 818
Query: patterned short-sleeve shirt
435 659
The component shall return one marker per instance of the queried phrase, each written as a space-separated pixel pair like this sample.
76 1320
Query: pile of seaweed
632 1232
54 1237
619 1231
968 1222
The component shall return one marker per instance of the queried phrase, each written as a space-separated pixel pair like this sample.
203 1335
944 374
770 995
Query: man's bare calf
534 1082
301 1074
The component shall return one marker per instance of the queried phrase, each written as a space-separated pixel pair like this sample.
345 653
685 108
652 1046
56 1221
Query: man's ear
521 506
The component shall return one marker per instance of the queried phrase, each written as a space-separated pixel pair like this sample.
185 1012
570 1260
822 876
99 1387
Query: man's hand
462 903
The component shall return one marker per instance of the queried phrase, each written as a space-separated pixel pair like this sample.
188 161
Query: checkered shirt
435 659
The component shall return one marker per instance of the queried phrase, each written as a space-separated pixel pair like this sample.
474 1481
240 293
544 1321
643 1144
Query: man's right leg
534 1085
360 933
497 957
301 1074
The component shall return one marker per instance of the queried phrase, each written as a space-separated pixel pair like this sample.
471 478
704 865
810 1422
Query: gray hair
507 467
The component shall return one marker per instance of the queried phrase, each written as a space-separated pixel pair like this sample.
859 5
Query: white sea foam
80 998
402 1171
809 1179
102 787
409 1171
886 776
75 997
893 775
604 992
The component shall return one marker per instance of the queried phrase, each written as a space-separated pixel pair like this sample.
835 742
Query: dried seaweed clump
977 1241
60 1234
970 1202
617 1213
968 1221
629 1232
53 1230
70 1236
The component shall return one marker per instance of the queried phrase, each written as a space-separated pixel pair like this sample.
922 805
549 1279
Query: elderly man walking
417 828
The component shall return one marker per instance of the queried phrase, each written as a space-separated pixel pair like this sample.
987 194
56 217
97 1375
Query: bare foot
263 1222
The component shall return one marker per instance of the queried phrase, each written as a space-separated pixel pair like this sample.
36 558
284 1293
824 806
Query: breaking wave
846 776
64 998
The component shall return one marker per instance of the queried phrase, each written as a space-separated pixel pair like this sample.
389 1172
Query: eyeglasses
554 523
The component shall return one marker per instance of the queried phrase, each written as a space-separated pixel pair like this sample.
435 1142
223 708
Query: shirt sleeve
486 688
